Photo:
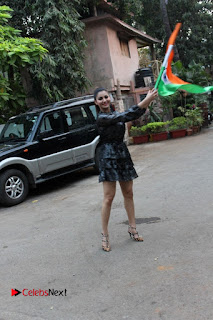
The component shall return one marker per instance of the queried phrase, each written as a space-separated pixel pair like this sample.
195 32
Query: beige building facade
111 57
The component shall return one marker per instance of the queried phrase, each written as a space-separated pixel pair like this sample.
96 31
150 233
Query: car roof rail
64 102
40 107
60 103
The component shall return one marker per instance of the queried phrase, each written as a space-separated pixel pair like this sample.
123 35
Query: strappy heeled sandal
105 242
134 235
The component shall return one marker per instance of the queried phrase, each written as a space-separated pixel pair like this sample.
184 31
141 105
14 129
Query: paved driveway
52 241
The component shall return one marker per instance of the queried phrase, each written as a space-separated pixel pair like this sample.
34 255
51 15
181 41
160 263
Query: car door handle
91 130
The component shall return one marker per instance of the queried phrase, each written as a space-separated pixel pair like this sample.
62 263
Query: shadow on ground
62 182
58 183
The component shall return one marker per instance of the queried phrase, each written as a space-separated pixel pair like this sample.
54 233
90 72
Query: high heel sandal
134 235
105 242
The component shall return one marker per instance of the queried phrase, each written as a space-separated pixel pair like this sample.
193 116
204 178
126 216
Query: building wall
98 65
124 67
104 62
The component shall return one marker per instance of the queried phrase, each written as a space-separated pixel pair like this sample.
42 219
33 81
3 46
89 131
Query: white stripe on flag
167 55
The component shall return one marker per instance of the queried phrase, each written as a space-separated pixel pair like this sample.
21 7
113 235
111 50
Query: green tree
167 27
195 40
129 11
159 17
16 53
57 24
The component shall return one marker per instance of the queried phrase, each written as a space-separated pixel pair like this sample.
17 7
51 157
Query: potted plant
202 102
139 134
194 118
189 130
158 130
177 127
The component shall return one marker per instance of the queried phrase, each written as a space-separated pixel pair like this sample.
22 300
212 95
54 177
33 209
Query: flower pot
189 132
196 129
178 133
158 136
141 139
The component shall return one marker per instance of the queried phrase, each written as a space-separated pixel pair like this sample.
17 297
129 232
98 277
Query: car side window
52 122
76 118
14 130
93 110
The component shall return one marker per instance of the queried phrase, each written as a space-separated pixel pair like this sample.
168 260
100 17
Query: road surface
52 241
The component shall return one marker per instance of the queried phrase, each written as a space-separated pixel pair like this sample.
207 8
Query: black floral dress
115 162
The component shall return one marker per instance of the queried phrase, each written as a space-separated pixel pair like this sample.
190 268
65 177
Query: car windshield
18 128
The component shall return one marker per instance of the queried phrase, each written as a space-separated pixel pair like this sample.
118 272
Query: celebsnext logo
39 292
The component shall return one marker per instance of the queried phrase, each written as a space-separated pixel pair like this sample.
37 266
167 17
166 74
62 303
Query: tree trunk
28 87
166 23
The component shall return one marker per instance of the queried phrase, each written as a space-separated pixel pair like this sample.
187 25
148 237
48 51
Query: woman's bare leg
109 189
127 191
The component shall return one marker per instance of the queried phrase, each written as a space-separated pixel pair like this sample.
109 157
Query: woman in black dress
114 159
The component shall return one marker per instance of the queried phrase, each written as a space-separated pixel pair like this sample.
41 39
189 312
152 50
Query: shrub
134 131
156 127
178 123
138 131
194 117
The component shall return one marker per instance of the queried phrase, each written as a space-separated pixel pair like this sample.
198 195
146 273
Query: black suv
46 142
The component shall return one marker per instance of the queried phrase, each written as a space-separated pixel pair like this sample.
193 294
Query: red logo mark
15 292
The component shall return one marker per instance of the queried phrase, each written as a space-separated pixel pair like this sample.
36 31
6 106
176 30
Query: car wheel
14 187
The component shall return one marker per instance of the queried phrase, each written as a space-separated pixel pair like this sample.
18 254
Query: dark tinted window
52 122
76 118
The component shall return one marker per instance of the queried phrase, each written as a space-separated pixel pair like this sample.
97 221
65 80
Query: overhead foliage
195 40
16 53
129 10
56 23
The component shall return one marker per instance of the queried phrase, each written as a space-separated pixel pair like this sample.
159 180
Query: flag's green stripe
168 89
159 77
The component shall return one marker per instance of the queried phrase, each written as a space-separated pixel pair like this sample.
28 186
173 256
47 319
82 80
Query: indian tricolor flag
167 83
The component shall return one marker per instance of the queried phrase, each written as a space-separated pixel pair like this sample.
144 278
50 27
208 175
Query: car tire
14 187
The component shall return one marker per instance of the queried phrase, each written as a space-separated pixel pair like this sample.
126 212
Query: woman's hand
151 95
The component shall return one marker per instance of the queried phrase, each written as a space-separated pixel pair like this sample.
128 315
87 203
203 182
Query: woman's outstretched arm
151 95
133 113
